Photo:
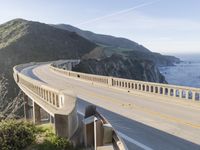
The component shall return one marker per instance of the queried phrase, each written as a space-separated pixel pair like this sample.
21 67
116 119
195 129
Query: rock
122 67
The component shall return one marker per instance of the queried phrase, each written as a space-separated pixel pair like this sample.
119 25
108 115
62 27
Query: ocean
187 73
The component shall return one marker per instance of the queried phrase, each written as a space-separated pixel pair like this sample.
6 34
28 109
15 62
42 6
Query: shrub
51 141
16 135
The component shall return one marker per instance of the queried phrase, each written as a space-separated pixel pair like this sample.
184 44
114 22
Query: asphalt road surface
144 122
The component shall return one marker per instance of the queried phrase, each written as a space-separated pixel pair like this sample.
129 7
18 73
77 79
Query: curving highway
144 122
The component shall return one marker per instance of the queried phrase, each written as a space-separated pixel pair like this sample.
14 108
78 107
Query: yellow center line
167 100
143 109
140 108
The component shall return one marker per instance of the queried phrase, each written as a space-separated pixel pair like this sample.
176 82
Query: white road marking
81 113
133 141
127 138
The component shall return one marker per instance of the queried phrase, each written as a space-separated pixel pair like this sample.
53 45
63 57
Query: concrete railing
60 104
164 90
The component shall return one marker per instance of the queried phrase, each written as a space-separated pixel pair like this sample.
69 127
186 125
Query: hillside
32 40
156 58
24 41
109 45
105 40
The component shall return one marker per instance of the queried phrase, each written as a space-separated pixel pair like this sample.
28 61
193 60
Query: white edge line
81 113
134 141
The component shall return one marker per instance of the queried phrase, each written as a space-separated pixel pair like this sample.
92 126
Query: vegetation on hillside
14 30
23 41
9 108
109 45
106 40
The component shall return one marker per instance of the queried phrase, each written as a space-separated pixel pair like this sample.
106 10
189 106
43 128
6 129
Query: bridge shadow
136 134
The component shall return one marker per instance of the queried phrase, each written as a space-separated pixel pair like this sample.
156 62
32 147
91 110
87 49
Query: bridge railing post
110 81
194 95
186 94
174 92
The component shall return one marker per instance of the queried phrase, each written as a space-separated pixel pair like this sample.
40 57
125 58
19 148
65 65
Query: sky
164 26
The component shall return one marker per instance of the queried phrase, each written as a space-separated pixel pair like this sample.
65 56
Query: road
144 122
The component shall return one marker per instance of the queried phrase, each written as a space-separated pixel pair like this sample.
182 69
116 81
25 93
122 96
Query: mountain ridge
109 45
102 39
23 41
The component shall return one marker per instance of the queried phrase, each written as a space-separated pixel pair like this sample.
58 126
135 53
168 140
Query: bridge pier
36 113
51 119
27 109
61 125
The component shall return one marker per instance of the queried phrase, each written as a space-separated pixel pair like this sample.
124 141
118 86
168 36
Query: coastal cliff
122 67
23 41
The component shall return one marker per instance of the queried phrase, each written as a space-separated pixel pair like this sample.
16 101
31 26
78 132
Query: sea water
186 73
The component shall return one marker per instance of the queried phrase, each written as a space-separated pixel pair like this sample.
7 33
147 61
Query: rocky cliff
123 67
158 59
23 41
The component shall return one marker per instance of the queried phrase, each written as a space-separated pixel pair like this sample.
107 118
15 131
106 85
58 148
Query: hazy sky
166 26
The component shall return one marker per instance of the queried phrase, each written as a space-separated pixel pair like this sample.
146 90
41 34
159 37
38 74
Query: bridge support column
88 128
61 125
36 113
27 108
51 120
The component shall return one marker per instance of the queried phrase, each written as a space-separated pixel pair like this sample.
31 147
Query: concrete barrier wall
164 90
87 77
66 64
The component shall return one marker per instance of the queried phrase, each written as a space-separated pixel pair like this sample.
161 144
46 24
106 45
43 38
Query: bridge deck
145 122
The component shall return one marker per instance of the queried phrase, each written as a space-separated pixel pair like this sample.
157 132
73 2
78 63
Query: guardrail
166 90
61 104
